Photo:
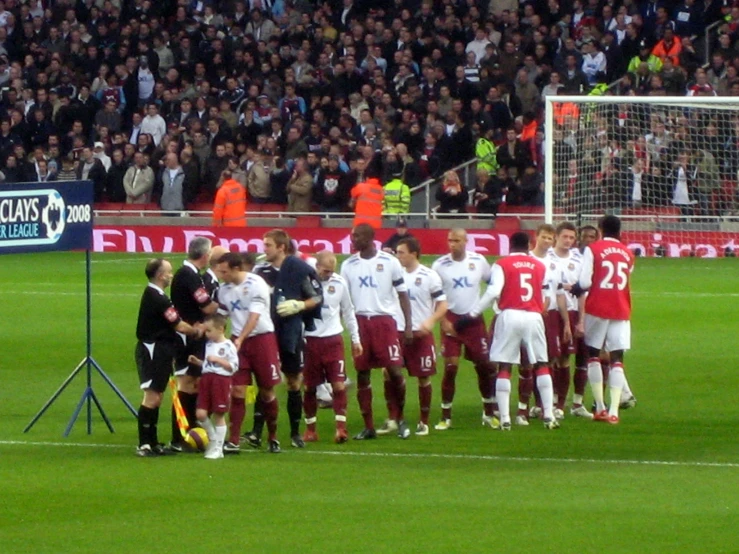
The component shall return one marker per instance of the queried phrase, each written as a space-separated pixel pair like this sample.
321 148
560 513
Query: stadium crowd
299 100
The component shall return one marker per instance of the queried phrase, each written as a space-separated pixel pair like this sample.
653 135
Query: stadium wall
169 239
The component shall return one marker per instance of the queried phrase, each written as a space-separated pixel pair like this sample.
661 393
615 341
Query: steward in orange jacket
229 209
367 201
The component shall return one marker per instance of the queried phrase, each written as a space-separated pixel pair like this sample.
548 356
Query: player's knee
267 394
201 415
363 379
424 381
294 381
593 352
238 391
152 399
451 362
338 386
617 356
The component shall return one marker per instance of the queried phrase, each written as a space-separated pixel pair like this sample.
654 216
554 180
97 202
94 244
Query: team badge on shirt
418 281
571 267
380 268
553 266
221 351
331 289
472 266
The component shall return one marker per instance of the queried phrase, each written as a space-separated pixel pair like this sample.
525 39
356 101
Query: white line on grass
80 293
477 457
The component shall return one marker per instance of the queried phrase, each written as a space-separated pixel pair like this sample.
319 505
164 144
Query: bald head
457 240
325 264
216 254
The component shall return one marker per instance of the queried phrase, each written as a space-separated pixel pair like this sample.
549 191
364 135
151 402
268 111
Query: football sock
485 386
595 376
147 426
503 395
310 404
424 402
546 390
271 410
626 393
525 387
176 435
364 396
447 390
207 424
220 436
563 385
537 394
258 417
340 406
236 418
390 399
294 411
615 386
580 380
399 386
189 403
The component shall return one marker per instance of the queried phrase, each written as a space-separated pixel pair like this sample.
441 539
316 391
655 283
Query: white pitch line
80 293
411 455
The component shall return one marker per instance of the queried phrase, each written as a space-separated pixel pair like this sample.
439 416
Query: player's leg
292 369
220 431
187 376
535 340
271 412
340 403
618 339
391 423
147 423
363 364
264 360
237 412
595 337
424 403
525 388
580 379
154 364
335 373
503 395
388 354
451 349
205 407
313 375
506 351
397 379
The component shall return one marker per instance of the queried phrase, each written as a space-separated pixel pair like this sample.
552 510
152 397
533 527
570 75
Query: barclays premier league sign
40 217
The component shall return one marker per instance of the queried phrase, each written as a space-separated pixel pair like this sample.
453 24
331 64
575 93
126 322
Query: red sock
563 385
236 418
271 410
310 405
390 398
424 401
525 385
580 380
448 389
364 396
399 386
340 408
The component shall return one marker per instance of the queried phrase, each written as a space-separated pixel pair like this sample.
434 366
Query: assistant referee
156 331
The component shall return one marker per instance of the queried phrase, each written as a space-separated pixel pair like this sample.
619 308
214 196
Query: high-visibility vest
368 197
397 197
653 63
229 209
599 90
485 152
565 110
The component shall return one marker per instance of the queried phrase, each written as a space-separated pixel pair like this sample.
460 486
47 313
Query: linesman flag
182 422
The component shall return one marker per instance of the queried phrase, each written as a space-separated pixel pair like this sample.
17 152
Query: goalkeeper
296 301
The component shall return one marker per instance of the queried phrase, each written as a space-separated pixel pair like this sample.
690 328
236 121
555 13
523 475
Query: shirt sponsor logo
201 295
171 314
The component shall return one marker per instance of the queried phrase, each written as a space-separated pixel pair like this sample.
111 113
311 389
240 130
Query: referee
193 302
297 300
157 332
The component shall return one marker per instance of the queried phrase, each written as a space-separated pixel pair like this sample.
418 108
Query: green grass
585 488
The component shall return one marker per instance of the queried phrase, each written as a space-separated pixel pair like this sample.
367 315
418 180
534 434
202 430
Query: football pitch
665 480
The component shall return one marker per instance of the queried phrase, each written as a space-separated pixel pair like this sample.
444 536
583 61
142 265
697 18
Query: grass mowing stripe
428 455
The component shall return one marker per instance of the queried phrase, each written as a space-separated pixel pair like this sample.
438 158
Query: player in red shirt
518 283
606 272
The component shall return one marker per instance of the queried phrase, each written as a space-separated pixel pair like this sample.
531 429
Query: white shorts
607 334
516 329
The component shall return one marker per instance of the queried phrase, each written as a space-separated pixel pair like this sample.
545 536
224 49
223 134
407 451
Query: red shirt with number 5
606 272
523 283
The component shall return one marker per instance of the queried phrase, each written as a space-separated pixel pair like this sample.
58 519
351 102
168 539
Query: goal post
668 166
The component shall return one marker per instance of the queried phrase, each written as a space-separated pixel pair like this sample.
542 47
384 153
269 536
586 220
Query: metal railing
426 203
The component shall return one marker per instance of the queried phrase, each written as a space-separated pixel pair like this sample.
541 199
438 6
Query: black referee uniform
189 295
211 284
156 349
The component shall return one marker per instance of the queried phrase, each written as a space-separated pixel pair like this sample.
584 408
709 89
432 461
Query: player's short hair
198 247
588 228
610 226
153 266
412 244
520 241
280 237
545 228
365 228
566 226
218 320
233 259
249 258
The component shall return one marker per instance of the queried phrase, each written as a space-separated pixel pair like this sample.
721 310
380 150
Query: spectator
91 168
98 152
138 181
513 154
668 47
300 188
452 197
488 193
173 185
229 208
234 171
279 176
258 178
153 124
214 165
114 179
331 191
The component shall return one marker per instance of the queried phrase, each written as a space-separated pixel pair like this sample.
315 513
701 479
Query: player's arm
492 293
350 320
440 304
585 281
189 330
251 324
580 328
311 291
562 307
194 360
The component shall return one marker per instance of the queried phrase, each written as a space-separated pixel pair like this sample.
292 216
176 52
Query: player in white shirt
556 324
373 279
428 307
565 261
462 273
214 389
245 297
324 348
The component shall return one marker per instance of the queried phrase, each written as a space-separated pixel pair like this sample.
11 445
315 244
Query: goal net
668 166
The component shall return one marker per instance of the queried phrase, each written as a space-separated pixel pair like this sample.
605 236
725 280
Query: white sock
626 391
595 376
503 397
522 406
546 392
207 424
615 385
220 432
577 399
